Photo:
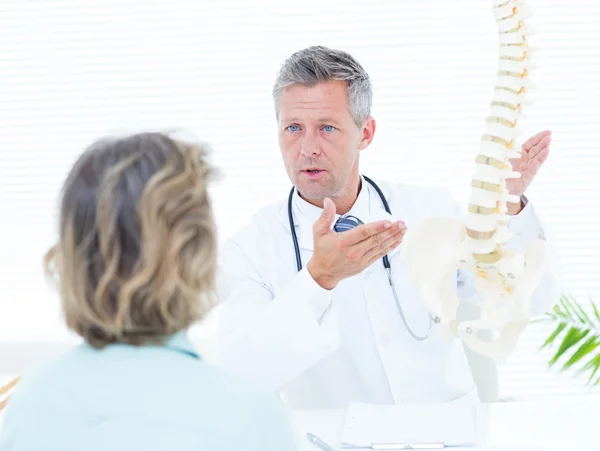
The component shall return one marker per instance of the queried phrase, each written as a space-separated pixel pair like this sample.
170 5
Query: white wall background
72 71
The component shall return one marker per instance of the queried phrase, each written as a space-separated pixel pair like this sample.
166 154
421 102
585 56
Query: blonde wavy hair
136 257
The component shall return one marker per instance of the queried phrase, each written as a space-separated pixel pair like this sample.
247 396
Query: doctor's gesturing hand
337 256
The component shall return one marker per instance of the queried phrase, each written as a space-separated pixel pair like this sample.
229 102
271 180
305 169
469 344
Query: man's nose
310 144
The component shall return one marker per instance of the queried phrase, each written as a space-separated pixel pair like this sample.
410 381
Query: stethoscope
386 261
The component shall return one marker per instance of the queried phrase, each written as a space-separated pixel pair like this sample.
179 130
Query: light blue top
148 399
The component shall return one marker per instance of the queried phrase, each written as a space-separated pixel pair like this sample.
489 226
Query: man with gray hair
316 303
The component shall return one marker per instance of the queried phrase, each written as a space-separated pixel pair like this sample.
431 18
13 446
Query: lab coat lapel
304 215
377 210
302 223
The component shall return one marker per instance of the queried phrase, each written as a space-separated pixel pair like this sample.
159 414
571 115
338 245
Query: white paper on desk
367 424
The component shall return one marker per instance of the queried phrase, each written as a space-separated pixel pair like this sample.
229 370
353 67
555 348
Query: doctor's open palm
337 256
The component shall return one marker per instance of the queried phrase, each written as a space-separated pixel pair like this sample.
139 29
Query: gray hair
318 64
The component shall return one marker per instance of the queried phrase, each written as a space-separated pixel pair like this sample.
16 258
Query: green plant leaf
596 312
579 332
571 309
547 317
560 308
573 336
586 319
564 303
588 346
592 364
551 338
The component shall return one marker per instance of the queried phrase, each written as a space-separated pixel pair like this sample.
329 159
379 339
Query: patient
135 265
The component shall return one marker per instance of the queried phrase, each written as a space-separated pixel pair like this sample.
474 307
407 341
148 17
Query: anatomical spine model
437 247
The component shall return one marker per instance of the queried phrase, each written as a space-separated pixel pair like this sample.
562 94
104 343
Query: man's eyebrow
324 119
328 119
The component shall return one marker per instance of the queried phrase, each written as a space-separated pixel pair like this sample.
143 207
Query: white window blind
72 71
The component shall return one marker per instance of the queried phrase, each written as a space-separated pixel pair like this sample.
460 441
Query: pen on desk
318 442
396 446
400 446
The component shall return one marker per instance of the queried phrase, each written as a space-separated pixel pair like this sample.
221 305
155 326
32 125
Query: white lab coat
323 349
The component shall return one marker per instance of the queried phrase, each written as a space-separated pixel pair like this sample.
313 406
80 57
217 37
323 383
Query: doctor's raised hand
340 255
534 153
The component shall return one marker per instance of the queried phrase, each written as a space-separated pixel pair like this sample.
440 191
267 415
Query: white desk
569 424
566 424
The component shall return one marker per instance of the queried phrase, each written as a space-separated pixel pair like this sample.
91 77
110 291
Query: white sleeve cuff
525 228
319 297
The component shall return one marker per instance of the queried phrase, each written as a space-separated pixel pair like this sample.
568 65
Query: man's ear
367 132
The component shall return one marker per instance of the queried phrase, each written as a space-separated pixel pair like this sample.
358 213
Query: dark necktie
346 223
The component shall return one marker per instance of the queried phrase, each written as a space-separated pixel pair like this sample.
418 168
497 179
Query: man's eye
293 128
328 128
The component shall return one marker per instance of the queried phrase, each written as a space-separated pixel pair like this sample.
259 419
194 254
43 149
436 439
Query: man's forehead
326 91
327 101
299 114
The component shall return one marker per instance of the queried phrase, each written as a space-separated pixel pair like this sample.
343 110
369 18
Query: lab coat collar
180 342
367 207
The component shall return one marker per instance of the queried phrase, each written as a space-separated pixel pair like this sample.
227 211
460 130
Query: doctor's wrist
320 277
516 208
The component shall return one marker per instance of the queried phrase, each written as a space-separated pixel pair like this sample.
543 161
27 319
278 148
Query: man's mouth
313 173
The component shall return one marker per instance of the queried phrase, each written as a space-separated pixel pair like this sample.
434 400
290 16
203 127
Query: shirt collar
180 342
305 213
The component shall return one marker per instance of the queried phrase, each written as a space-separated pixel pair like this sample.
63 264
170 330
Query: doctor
307 307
